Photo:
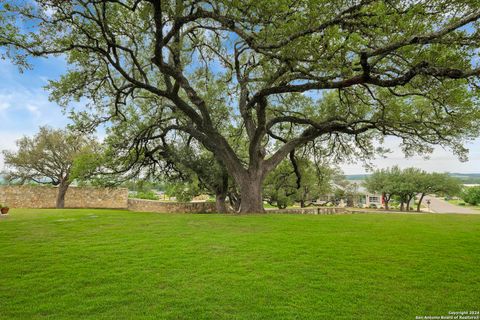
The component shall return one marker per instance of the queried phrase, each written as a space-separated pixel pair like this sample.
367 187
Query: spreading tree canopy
335 75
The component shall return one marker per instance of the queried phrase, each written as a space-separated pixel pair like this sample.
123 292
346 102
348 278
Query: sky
24 106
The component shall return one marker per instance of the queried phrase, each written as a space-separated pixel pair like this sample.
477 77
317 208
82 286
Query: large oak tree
339 75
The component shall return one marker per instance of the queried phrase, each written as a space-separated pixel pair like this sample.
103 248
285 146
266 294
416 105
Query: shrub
148 195
283 201
183 192
471 195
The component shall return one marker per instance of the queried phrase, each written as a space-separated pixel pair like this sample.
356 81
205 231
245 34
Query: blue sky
24 106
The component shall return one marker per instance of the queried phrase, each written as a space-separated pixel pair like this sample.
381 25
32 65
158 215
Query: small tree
343 190
297 180
183 191
406 186
47 158
382 181
428 183
316 181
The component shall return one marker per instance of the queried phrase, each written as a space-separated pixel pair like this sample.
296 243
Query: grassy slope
102 264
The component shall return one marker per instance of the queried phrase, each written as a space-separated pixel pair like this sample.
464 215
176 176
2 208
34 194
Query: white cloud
22 111
4 105
440 160
35 102
33 109
8 142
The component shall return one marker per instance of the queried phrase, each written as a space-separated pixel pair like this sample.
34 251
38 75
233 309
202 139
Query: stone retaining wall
170 207
117 198
76 197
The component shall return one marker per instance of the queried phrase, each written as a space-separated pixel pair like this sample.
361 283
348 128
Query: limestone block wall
113 198
76 197
28 196
170 207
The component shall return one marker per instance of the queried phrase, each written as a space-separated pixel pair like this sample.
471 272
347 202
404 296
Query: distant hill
356 176
465 177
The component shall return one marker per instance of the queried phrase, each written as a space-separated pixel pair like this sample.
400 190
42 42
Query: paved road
441 206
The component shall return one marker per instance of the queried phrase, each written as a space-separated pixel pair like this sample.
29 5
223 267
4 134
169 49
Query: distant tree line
404 185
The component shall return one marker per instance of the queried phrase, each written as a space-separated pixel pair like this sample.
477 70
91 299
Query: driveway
441 206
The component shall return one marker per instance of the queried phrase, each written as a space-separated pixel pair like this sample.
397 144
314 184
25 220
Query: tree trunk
251 194
420 202
220 203
409 200
221 191
402 205
62 190
234 200
302 203
385 200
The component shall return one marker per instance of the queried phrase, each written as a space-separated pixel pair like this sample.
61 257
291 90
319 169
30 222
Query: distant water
473 178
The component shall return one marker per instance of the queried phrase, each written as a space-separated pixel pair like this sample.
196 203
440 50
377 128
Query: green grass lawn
465 205
111 264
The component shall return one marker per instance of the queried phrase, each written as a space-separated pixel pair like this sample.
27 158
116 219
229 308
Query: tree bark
221 191
409 200
402 205
62 190
420 202
234 200
220 203
251 194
